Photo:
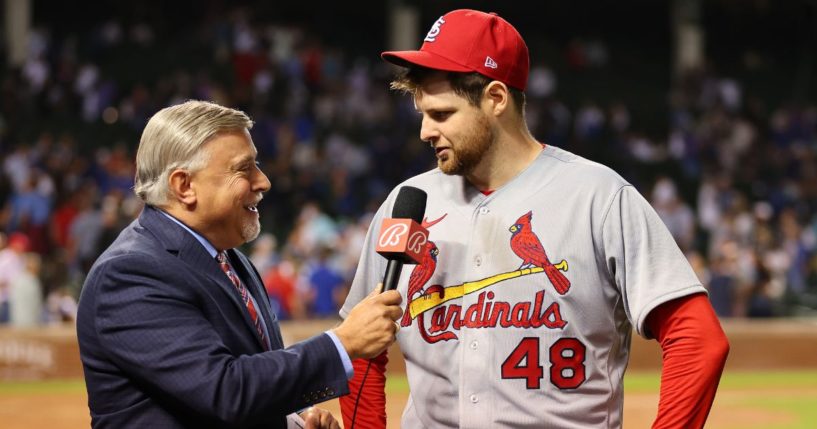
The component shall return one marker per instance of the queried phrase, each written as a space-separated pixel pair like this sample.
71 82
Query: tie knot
221 257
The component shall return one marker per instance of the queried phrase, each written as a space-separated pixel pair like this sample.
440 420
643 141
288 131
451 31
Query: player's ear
496 97
180 187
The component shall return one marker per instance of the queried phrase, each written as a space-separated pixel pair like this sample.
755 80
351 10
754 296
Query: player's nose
428 131
261 182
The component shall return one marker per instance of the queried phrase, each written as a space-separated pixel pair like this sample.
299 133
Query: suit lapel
181 243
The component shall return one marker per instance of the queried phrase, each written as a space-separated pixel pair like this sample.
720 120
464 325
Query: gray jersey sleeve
643 259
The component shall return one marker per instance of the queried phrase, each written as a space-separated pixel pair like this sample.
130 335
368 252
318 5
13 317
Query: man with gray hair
174 327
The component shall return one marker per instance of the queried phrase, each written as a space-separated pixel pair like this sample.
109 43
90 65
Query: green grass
771 379
42 387
642 382
396 383
800 407
650 381
646 382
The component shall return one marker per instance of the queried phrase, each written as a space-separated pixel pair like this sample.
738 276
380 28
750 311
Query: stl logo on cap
435 30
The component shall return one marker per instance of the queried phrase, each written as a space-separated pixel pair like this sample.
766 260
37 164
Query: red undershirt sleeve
371 403
694 349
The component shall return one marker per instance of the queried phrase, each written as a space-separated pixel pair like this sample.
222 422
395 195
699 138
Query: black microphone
402 237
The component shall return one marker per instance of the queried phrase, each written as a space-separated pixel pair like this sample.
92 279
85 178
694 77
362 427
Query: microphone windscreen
410 204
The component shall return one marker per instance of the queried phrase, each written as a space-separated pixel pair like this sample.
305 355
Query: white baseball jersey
522 312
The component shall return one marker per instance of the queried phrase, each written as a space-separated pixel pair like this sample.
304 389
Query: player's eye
245 167
441 115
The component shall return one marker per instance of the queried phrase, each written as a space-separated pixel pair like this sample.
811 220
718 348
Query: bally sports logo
394 234
402 239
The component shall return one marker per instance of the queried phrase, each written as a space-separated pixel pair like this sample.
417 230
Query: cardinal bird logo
422 272
527 246
420 276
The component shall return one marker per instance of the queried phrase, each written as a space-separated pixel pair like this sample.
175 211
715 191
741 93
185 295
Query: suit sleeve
694 353
151 325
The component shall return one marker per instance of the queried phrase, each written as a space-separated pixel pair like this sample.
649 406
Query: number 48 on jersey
566 358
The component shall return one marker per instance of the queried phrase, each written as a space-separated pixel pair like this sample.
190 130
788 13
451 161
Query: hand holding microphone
371 325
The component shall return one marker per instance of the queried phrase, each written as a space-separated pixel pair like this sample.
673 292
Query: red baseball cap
468 40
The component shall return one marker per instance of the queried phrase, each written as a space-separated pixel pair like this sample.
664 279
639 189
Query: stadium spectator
743 166
26 294
326 285
12 266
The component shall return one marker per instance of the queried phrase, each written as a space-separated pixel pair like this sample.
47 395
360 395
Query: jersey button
478 260
484 210
474 345
474 399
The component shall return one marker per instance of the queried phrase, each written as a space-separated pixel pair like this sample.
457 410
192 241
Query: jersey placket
476 400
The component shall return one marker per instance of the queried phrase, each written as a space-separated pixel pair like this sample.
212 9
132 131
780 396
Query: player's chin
250 230
447 165
451 167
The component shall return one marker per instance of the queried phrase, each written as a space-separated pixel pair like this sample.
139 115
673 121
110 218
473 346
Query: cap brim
424 59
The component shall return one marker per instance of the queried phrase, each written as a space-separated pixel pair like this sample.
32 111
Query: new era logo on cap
468 40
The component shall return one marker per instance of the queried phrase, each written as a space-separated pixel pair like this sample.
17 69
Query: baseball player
538 267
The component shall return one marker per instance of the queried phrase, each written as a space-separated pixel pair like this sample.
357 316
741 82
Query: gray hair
173 139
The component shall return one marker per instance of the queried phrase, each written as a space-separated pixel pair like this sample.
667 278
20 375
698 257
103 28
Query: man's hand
370 327
316 418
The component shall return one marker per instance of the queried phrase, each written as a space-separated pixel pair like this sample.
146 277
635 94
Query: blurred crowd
733 178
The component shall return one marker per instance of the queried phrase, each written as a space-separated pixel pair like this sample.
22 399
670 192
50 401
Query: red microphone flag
402 239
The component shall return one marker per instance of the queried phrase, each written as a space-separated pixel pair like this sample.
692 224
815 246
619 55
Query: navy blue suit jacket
166 342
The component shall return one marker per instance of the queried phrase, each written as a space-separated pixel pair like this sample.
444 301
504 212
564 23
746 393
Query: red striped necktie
245 296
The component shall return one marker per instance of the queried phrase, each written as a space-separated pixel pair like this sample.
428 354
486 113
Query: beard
250 230
470 150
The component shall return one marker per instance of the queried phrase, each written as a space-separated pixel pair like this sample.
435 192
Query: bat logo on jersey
485 313
527 246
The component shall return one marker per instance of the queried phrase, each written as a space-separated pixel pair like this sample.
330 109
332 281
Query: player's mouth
253 207
441 151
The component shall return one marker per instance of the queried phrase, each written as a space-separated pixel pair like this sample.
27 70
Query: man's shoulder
430 181
435 182
134 249
580 171
430 178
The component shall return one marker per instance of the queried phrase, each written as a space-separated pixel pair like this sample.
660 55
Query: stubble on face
470 150
251 228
